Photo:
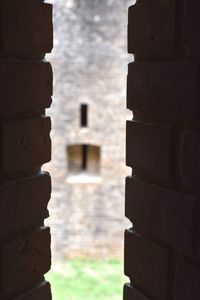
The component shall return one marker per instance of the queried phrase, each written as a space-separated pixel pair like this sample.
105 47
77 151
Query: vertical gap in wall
84 157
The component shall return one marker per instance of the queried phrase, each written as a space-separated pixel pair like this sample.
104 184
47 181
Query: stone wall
26 89
162 249
90 66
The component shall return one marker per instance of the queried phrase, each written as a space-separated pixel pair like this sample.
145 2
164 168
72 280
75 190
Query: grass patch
80 279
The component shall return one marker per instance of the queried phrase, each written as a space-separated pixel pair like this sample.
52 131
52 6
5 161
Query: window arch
83 159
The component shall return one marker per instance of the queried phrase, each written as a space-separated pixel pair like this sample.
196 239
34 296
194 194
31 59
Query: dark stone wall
162 252
26 89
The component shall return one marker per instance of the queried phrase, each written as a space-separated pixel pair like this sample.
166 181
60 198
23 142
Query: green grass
81 279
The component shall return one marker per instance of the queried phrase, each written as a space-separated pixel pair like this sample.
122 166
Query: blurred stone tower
88 115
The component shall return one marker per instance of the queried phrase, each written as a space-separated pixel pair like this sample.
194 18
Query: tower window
83 159
84 115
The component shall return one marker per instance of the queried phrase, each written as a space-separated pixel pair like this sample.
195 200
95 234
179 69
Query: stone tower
88 115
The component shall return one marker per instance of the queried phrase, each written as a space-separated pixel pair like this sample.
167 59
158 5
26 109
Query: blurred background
88 170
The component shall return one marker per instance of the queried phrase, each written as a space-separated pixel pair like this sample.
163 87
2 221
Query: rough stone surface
26 28
163 214
31 86
163 145
24 260
26 144
164 91
146 264
32 195
26 89
155 39
89 62
148 149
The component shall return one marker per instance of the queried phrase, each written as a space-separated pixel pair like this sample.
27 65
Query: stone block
24 203
163 214
164 91
131 293
26 144
151 30
24 260
31 86
146 264
26 28
187 281
148 149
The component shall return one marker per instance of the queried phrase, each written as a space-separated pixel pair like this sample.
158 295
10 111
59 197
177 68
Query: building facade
88 137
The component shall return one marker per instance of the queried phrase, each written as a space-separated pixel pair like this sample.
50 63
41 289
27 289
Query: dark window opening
83 159
84 115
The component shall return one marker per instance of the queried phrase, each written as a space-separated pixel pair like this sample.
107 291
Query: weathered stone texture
32 195
26 144
89 62
26 89
24 260
31 88
156 37
164 91
146 264
163 142
148 149
164 214
26 28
